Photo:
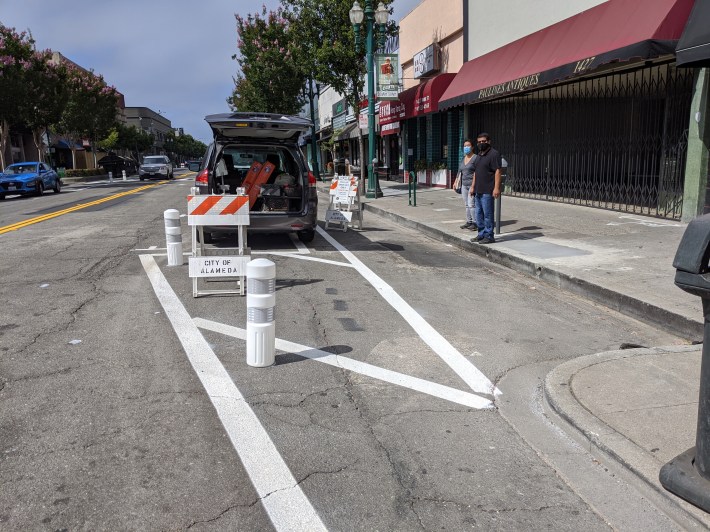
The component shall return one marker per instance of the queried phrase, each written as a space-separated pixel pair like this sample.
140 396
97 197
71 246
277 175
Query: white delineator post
110 177
124 174
173 237
261 300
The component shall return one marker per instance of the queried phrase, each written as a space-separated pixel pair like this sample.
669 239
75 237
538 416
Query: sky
172 56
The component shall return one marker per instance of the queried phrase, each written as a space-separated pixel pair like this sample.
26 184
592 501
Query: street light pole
371 16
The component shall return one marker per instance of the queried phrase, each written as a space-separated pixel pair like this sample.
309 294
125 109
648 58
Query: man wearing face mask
486 187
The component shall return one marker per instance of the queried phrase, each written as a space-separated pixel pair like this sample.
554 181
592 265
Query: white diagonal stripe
363 368
471 375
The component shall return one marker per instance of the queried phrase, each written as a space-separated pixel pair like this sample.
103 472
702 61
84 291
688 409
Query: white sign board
338 216
219 266
342 191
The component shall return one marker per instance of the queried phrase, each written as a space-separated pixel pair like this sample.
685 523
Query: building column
455 140
696 194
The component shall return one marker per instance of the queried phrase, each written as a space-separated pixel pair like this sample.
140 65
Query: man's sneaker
473 227
476 239
486 240
467 225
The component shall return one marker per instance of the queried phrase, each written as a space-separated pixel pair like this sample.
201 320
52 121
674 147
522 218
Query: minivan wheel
306 236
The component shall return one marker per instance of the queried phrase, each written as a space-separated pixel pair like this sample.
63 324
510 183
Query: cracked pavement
116 432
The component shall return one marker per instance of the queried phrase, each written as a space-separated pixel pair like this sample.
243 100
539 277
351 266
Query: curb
559 397
658 317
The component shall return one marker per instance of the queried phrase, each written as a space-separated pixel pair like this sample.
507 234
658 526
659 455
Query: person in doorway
486 187
466 170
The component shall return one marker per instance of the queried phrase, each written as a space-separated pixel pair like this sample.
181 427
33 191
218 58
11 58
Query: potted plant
439 173
420 167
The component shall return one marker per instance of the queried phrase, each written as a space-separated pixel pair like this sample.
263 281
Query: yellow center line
38 219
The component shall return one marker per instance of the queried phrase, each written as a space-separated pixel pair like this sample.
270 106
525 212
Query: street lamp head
381 15
356 14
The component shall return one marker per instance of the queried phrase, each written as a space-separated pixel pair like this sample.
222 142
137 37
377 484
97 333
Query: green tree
269 80
46 96
90 111
326 47
16 54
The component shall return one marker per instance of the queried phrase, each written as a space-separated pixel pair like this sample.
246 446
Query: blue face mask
467 149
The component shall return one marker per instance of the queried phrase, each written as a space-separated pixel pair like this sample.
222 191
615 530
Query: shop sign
391 112
426 61
340 108
387 69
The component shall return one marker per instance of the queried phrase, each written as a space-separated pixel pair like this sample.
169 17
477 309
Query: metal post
688 474
496 211
314 144
412 187
173 237
261 300
371 178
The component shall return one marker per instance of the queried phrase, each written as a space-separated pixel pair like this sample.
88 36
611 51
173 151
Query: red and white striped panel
218 210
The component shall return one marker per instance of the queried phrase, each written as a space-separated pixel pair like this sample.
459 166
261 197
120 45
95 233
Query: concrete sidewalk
637 406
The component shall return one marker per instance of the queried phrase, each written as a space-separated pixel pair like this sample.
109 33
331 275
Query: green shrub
84 172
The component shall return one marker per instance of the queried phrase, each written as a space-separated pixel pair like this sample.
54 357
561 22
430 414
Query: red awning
617 30
424 98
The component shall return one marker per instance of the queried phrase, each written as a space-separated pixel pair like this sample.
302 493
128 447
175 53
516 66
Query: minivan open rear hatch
265 126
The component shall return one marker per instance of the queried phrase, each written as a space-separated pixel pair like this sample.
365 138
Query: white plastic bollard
124 174
110 177
173 237
261 300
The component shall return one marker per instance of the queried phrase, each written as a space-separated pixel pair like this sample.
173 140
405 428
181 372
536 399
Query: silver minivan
260 152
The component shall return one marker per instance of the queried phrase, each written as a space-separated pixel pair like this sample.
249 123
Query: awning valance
615 31
424 98
345 132
694 45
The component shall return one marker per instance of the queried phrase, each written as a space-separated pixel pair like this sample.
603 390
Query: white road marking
643 221
151 248
299 245
302 257
154 247
282 498
470 374
440 210
430 388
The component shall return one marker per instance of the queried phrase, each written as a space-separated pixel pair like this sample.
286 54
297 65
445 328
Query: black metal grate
616 142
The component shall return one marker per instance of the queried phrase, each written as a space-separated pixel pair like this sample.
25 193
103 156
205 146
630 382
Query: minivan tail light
311 179
202 177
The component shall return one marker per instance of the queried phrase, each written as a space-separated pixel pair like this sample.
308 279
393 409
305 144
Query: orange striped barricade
344 202
207 262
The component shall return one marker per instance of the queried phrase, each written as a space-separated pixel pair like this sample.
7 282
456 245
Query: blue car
28 178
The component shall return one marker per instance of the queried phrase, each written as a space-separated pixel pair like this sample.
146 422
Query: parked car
193 166
155 166
260 152
28 178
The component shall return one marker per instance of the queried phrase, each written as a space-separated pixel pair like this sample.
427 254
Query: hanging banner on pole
387 69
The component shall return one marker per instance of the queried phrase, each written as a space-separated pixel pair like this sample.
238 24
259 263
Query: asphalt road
125 403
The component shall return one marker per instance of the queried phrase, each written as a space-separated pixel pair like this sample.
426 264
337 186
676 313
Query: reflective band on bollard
261 300
173 237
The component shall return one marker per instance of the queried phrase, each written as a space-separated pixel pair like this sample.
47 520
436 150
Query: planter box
439 178
421 177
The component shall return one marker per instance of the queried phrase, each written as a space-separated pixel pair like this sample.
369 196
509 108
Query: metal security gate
616 141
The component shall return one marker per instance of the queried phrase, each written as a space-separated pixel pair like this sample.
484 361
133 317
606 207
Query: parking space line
299 245
393 377
282 497
470 374
303 257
